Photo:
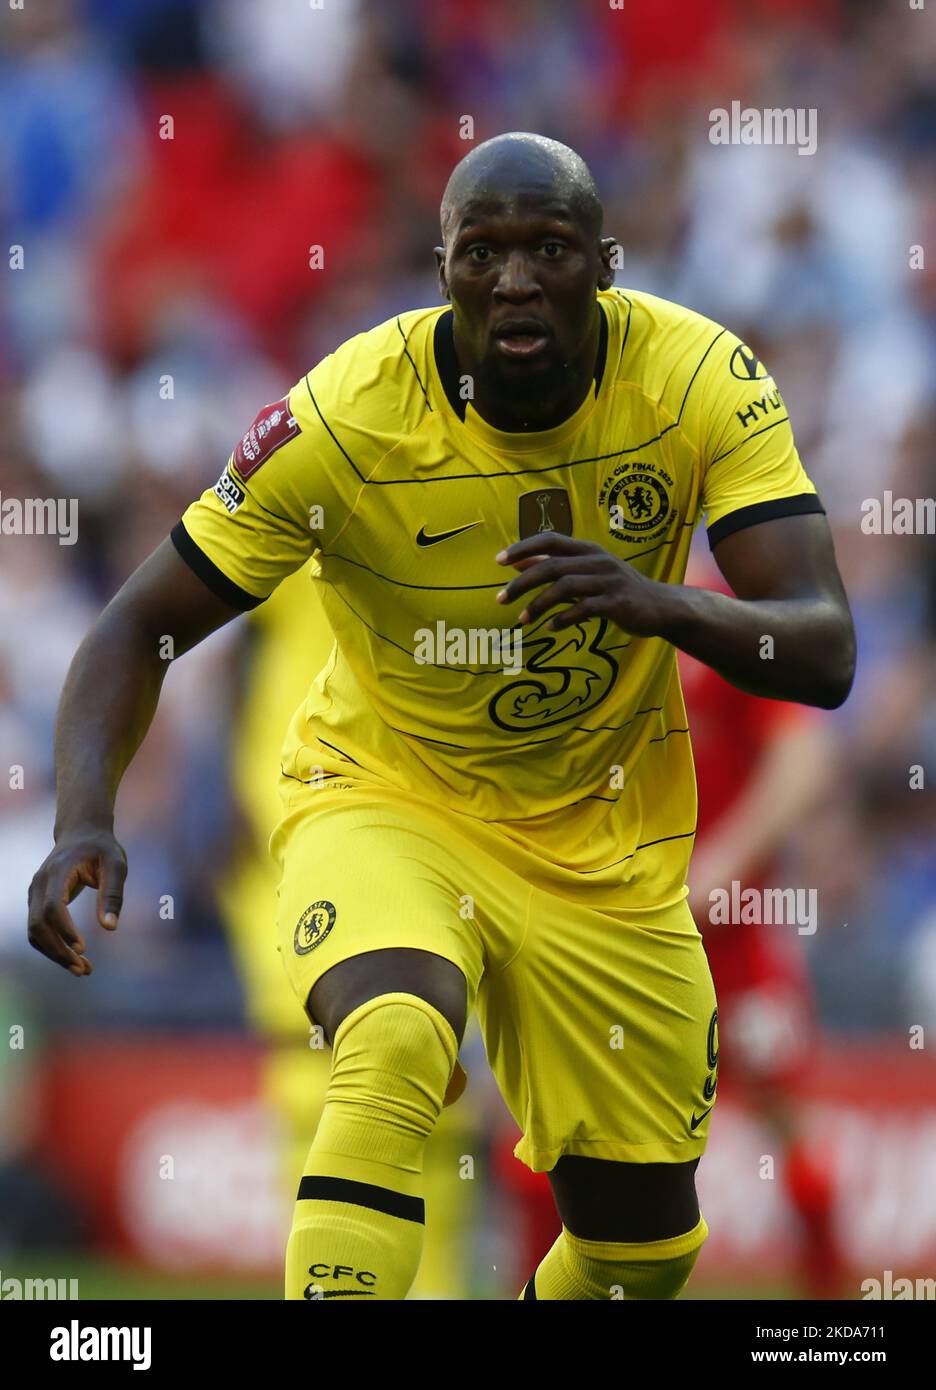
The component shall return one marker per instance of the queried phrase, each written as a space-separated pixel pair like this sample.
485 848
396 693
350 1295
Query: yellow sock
590 1269
358 1224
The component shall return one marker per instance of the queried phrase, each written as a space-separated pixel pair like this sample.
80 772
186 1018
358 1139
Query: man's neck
547 409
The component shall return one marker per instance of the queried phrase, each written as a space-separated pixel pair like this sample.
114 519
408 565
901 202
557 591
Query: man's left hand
585 575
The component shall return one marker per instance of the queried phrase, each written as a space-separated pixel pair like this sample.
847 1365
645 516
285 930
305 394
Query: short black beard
528 398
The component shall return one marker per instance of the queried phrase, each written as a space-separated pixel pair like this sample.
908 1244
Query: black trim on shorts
362 1194
804 504
530 1290
209 574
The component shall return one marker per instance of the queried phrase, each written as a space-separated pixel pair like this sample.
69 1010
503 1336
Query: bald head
522 262
520 163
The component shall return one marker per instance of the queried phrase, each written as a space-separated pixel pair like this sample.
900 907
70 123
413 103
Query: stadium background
149 1116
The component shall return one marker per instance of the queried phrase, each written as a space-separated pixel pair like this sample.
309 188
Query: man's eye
479 254
552 249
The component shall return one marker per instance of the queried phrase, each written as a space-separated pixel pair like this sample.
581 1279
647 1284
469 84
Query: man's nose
517 281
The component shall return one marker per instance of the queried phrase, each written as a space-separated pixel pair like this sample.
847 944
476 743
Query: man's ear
606 274
439 253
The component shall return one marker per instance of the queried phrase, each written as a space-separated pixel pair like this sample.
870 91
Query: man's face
521 272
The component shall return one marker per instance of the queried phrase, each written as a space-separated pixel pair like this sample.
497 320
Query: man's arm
107 705
788 590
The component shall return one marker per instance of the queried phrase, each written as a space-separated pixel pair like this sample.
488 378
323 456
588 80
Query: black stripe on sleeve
802 505
209 574
362 1194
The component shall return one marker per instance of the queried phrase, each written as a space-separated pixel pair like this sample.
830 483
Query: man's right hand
88 858
101 724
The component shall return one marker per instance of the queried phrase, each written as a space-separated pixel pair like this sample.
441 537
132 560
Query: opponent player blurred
468 823
761 766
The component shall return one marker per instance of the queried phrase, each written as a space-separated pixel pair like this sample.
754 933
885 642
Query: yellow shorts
599 1023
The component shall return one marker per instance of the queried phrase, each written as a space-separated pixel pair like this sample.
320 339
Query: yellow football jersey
575 743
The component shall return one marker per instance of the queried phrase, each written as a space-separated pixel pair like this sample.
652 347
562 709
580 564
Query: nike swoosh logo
423 539
697 1119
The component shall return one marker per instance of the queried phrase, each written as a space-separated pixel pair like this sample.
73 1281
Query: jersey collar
447 367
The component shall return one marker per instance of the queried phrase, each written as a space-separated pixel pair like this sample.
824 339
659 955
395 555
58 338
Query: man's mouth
520 338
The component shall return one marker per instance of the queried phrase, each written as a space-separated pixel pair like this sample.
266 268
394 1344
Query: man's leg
630 1231
604 1040
395 1018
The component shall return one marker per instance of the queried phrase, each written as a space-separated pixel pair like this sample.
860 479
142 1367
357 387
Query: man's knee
353 982
394 1056
589 1269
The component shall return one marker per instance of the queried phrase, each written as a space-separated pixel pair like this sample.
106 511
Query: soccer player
468 825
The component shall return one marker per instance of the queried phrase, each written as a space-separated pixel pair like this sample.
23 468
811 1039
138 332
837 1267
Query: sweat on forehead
520 163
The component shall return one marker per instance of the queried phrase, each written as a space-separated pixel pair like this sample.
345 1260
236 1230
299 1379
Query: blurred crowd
166 167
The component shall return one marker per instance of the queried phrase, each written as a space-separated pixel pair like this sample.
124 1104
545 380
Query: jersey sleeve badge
273 427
